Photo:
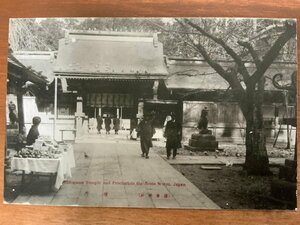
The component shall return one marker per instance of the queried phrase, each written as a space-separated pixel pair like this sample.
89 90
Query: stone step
203 137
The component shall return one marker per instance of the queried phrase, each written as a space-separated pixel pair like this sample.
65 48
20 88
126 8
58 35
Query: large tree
247 86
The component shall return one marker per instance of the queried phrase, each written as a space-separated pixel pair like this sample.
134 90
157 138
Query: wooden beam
20 105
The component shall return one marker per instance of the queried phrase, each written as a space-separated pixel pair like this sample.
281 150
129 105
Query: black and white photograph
144 112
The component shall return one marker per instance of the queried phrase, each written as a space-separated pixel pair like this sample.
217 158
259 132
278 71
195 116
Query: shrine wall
227 122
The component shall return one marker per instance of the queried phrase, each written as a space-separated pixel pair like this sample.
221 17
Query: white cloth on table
62 165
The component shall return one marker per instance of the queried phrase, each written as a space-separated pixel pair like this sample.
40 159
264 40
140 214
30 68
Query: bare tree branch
252 52
271 55
241 66
263 31
216 66
229 75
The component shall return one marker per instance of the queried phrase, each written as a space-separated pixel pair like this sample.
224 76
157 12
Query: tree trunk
257 162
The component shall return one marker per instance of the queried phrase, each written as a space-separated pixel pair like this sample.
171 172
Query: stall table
60 166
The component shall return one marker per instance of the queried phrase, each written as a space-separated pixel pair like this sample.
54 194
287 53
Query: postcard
152 113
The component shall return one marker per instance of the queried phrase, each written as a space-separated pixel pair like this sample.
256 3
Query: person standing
99 124
107 122
146 131
116 123
33 133
173 136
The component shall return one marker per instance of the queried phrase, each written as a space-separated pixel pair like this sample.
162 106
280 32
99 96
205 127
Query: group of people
107 124
145 130
172 132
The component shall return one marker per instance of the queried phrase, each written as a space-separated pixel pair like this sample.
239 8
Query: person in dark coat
107 122
34 131
99 124
146 131
116 122
173 136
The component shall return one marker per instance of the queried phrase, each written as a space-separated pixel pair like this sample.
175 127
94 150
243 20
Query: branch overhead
273 52
241 66
251 50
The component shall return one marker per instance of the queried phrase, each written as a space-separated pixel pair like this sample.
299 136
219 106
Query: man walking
173 135
146 132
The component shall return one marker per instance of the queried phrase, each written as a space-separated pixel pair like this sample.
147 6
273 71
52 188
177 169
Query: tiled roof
197 74
41 62
22 72
110 53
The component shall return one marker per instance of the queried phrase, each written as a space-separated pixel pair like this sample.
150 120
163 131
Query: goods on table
44 147
34 153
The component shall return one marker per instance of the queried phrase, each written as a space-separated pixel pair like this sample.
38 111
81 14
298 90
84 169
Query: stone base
199 149
203 142
288 172
284 190
203 137
285 187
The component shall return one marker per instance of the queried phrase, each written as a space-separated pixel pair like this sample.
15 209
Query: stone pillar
155 89
79 118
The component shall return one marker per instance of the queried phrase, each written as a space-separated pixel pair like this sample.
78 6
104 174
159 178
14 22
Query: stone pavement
115 175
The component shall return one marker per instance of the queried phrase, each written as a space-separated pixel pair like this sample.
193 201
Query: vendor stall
46 157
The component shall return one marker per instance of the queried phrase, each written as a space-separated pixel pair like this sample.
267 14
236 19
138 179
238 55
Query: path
115 175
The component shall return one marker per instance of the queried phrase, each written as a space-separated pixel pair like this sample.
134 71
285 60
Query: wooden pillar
55 107
155 89
79 117
118 112
287 116
20 106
